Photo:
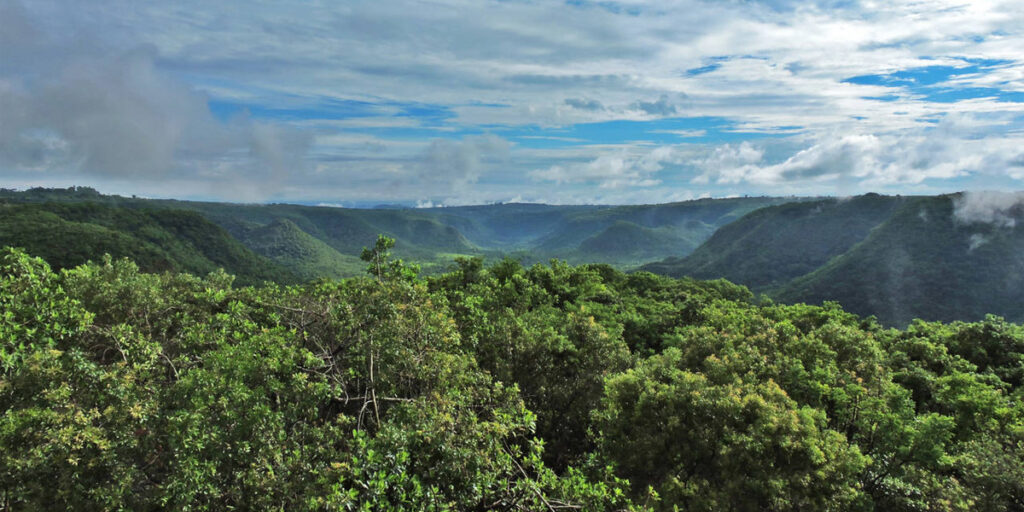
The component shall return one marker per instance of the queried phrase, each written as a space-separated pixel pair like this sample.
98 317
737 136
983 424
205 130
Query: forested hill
771 246
897 258
160 240
925 262
625 236
503 387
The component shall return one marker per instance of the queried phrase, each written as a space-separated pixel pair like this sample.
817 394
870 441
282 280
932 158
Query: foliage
502 387
283 242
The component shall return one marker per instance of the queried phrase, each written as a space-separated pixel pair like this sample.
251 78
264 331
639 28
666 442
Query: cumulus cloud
613 170
857 155
79 108
98 91
1002 209
850 155
957 146
729 163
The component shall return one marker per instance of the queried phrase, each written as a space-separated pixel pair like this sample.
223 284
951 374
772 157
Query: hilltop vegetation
499 387
896 258
283 242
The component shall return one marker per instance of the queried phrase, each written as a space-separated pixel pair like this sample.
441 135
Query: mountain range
895 257
315 241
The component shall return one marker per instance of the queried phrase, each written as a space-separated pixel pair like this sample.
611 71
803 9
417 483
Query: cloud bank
958 146
78 108
468 101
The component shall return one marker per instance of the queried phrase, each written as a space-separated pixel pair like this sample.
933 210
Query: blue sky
451 102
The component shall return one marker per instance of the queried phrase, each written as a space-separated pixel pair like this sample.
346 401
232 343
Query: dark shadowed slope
924 263
773 245
897 258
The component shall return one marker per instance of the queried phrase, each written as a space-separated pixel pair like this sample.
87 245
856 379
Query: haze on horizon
464 102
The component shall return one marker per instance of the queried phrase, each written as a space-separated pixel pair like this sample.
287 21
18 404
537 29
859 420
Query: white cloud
617 170
80 78
662 107
1001 209
729 163
449 166
684 134
584 104
80 109
957 146
521 52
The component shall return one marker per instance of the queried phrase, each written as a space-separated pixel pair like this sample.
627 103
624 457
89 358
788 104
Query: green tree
729 446
382 266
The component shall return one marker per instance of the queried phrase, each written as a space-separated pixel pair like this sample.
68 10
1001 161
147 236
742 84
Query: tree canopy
502 387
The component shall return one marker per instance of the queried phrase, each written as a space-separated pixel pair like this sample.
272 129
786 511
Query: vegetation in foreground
550 387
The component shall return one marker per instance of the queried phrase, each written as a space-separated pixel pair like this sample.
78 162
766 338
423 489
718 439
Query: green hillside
897 258
508 226
283 242
773 245
69 234
627 241
434 236
922 263
681 226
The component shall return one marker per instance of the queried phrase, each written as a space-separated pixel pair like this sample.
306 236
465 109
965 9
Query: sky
454 102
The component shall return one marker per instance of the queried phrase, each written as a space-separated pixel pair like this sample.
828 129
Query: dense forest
489 387
512 256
